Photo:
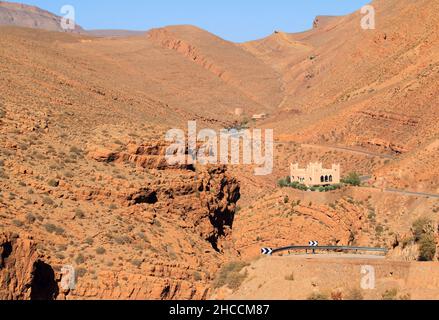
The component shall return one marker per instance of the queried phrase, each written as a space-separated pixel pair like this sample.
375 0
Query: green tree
352 179
427 247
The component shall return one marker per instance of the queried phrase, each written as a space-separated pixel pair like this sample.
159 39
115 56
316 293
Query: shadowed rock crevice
221 192
5 252
166 292
144 196
222 221
44 286
213 240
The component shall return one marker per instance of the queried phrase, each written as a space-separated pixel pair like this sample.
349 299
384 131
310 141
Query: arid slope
84 181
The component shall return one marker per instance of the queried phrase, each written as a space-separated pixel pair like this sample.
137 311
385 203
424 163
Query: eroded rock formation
23 273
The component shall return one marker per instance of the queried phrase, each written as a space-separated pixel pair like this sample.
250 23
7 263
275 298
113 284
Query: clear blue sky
236 20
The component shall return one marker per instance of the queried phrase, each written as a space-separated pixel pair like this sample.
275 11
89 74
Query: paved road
350 150
412 193
340 148
336 256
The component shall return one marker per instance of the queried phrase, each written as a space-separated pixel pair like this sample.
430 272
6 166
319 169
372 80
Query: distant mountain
21 15
114 33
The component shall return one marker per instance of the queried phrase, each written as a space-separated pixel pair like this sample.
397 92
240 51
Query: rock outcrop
166 232
23 273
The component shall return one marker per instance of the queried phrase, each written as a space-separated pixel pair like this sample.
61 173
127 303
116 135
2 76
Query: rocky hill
83 176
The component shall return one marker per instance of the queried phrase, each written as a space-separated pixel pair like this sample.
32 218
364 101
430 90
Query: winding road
350 150
413 193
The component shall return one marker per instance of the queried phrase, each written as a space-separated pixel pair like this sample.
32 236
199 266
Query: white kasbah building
315 175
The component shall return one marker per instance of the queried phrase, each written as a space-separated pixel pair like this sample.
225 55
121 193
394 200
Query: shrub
283 183
75 150
372 215
60 256
53 183
137 263
334 187
50 227
48 201
80 259
423 234
379 229
100 251
352 179
69 174
62 247
156 223
197 276
427 247
390 294
30 218
286 183
122 240
3 175
406 297
18 223
79 214
318 296
80 272
59 231
142 236
235 280
420 227
290 277
299 186
355 295
230 275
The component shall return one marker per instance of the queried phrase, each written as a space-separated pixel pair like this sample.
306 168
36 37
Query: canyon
84 179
